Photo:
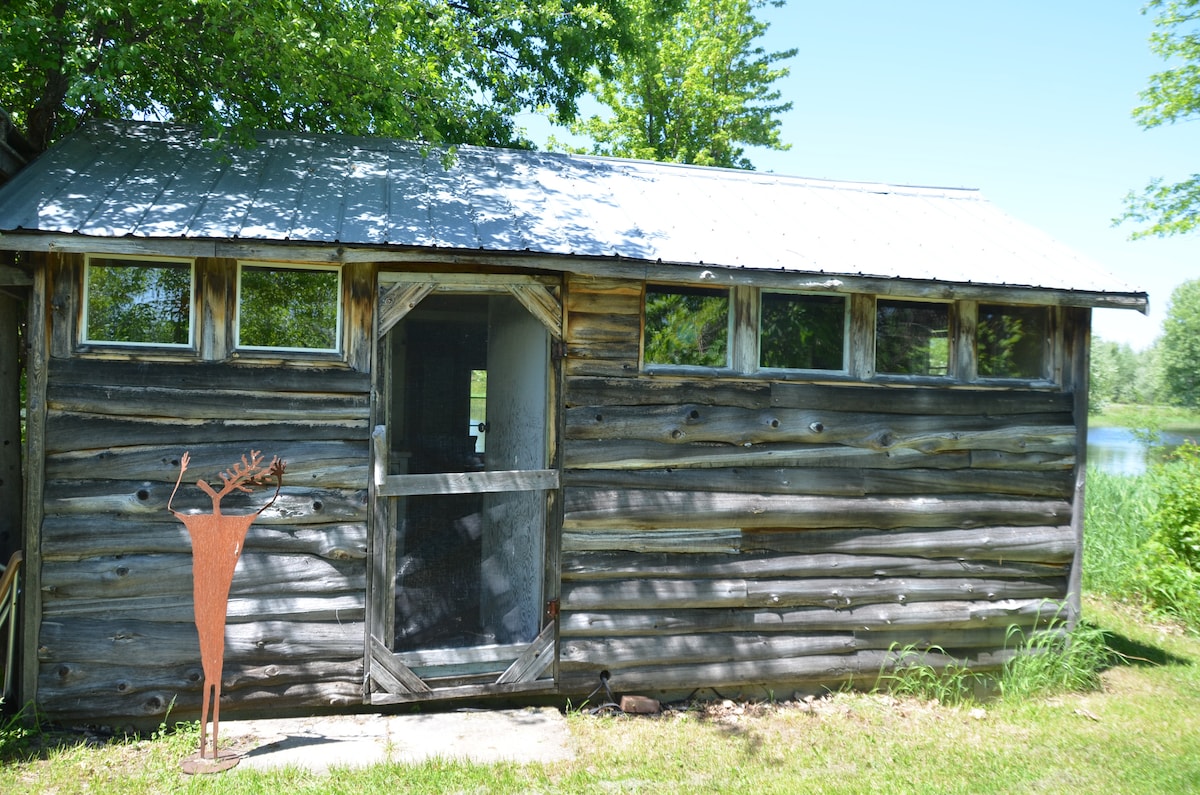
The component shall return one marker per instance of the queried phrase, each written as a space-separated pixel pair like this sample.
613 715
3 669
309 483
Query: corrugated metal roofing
162 181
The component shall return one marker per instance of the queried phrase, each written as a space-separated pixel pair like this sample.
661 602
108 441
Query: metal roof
146 180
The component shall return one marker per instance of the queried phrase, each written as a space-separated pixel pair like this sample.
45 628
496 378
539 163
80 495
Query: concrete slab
321 743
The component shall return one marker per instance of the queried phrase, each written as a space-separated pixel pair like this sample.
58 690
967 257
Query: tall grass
1116 526
1048 661
1054 660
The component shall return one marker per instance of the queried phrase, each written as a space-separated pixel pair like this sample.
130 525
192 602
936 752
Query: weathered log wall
118 638
726 532
741 533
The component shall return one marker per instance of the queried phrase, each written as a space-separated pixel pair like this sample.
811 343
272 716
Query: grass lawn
1140 733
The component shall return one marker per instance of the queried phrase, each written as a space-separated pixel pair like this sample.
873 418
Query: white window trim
148 261
287 266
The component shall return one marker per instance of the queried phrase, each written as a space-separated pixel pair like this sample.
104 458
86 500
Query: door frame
390 677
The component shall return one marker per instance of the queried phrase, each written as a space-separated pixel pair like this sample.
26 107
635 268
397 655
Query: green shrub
1169 571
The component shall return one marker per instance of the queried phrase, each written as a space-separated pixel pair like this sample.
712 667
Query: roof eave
613 265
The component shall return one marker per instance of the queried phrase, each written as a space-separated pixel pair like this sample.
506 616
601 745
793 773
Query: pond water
1118 451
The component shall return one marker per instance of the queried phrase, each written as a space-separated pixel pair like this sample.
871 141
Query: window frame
744 354
1052 346
731 298
85 342
340 318
953 366
844 370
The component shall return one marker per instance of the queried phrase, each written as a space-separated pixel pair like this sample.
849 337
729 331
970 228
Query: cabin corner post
36 376
1078 338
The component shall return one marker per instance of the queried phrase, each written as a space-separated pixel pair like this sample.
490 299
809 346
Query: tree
1115 374
1180 353
431 70
695 91
1173 95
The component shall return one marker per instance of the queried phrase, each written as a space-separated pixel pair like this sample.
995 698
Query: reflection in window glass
912 338
137 302
296 308
686 325
1010 341
803 332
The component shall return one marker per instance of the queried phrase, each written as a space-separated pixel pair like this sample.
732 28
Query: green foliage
142 303
1118 375
431 70
19 733
806 332
1169 572
687 326
1180 347
1010 341
696 90
288 308
1172 95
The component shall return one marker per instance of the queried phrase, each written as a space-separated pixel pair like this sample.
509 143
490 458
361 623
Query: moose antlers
242 476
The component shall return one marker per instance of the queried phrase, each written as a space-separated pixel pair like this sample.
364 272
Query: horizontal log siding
739 533
118 638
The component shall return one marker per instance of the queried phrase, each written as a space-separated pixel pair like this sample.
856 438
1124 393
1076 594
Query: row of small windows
687 326
152 302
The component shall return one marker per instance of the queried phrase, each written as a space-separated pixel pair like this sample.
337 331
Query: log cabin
547 418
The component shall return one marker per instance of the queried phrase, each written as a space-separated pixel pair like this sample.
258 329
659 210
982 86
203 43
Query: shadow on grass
1130 652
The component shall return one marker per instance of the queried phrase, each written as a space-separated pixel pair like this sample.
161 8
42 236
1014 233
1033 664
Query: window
1012 341
137 302
687 326
478 399
803 332
912 338
289 308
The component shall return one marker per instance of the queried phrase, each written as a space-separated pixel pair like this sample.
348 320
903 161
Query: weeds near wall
1054 660
1044 662
18 733
915 674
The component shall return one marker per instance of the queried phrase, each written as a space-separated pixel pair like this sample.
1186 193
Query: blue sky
1027 100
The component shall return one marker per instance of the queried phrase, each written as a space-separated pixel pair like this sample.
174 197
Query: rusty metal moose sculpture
217 541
